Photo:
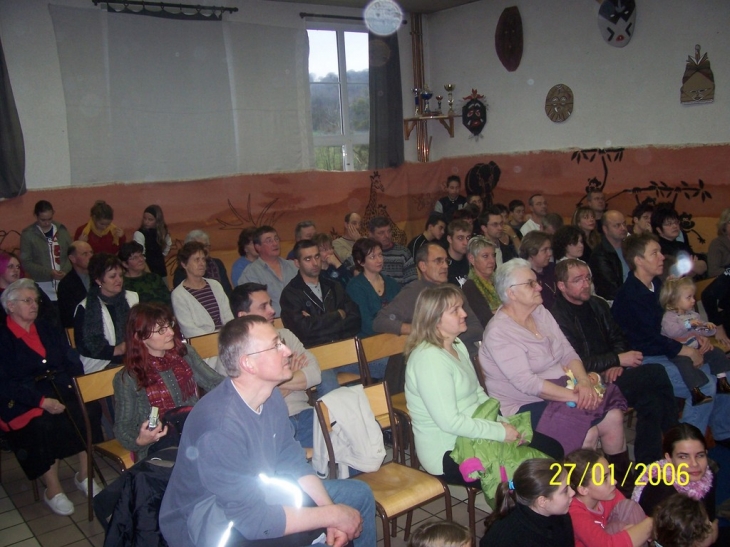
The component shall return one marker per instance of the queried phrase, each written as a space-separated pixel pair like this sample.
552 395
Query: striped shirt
207 299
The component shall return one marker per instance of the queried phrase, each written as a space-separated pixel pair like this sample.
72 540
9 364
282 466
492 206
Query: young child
532 508
680 521
683 324
155 239
601 514
441 534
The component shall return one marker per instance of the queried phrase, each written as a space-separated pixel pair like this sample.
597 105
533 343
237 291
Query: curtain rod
163 6
326 16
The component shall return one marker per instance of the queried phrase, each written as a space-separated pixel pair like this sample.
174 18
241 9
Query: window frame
348 139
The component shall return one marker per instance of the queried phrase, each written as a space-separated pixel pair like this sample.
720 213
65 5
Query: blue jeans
329 377
715 414
356 494
303 425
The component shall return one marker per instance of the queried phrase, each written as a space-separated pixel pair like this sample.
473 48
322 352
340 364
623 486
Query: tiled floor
25 522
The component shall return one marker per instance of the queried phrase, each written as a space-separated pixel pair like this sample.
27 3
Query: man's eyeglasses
580 280
277 346
532 283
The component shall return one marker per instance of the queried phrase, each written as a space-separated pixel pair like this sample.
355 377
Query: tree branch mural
658 190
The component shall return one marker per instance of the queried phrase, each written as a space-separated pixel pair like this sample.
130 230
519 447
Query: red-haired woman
160 370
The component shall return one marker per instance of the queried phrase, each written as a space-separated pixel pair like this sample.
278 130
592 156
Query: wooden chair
398 489
337 354
378 347
206 345
92 387
278 323
71 337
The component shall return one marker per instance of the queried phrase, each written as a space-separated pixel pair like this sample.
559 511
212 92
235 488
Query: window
338 75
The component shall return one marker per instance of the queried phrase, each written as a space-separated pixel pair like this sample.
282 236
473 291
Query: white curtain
152 99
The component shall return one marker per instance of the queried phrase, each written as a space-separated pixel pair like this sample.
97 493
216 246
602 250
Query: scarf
157 392
90 227
486 289
118 307
696 490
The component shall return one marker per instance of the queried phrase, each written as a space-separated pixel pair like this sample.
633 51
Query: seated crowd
524 332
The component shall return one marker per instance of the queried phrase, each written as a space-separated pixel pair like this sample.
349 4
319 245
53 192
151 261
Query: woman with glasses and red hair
160 370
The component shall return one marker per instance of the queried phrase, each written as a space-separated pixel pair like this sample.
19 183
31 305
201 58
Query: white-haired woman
479 289
525 357
214 268
442 389
37 402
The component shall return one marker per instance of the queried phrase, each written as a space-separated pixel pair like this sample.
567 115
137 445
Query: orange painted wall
408 192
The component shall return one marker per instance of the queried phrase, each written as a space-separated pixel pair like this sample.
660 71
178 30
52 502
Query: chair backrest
335 354
378 347
71 337
379 399
278 323
95 386
206 345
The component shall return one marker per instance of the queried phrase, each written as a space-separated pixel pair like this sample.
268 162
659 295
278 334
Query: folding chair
206 345
337 354
71 337
379 347
89 388
398 489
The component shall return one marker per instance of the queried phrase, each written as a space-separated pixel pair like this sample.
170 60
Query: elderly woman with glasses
525 357
39 411
160 370
479 287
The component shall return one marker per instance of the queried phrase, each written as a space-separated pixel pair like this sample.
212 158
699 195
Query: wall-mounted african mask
559 103
698 83
616 20
474 113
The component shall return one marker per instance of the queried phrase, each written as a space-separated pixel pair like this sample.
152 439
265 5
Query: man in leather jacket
609 269
316 309
587 324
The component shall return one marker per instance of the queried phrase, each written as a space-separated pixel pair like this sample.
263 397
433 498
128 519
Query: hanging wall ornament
474 113
616 20
698 83
508 38
559 103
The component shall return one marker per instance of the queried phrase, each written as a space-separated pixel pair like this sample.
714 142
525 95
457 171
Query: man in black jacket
73 287
587 324
317 310
607 263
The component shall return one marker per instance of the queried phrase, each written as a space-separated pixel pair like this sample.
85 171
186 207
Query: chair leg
393 527
409 519
90 474
36 497
471 496
447 503
386 530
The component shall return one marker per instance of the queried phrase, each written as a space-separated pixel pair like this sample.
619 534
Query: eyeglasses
28 300
532 283
580 280
277 346
669 223
164 328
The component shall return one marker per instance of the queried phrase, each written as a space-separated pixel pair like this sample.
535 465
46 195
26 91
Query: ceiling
408 6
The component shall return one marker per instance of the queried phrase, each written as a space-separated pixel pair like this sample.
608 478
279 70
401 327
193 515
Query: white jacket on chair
356 436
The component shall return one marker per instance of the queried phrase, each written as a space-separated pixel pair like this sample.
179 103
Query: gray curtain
12 147
386 106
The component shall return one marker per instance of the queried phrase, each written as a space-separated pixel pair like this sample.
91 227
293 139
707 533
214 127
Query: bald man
607 260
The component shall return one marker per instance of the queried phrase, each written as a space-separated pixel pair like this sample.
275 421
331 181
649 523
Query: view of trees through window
338 75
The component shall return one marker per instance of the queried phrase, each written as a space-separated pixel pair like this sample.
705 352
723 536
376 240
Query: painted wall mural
695 177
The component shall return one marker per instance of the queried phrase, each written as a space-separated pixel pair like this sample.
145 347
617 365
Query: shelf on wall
447 120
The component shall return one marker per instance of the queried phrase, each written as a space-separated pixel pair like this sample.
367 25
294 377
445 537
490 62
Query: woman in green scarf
478 289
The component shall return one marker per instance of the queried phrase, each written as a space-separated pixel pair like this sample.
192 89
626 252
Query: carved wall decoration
474 113
616 21
481 180
508 38
375 209
698 82
559 103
